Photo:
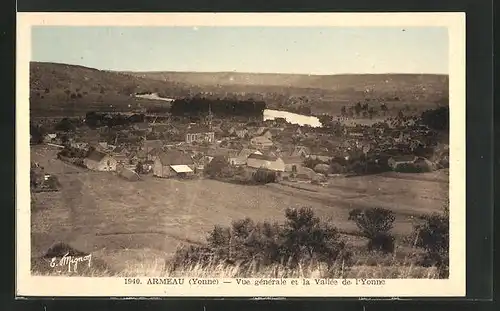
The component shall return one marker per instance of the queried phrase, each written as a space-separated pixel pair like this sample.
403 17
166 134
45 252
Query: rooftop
175 157
262 157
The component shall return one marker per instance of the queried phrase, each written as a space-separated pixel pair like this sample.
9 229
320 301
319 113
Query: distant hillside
61 87
380 82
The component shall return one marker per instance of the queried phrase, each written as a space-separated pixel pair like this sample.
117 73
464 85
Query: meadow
134 227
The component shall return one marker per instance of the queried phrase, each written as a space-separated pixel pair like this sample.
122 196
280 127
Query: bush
432 235
306 237
263 176
219 167
302 238
375 224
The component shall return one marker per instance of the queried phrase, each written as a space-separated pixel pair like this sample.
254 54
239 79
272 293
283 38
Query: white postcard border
28 285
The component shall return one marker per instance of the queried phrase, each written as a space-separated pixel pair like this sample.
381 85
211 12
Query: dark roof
155 151
262 157
245 152
227 152
175 157
96 156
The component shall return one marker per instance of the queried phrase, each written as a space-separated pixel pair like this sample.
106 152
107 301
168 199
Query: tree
139 169
358 108
433 236
37 134
371 112
325 120
436 119
65 125
306 237
218 167
343 111
375 224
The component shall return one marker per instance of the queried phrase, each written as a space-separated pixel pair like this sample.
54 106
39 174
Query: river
294 118
269 114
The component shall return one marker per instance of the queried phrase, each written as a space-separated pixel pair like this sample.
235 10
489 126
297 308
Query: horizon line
243 72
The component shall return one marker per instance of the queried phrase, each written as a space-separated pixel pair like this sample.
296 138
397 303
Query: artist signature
70 261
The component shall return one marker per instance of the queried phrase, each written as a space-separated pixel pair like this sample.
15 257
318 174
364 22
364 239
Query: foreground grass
374 266
274 271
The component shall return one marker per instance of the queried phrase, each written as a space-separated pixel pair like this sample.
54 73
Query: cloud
195 28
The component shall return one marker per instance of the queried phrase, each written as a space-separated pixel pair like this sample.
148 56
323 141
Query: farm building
100 161
199 134
271 163
242 156
261 142
173 163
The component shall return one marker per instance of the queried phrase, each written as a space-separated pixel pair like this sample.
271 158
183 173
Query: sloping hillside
324 93
61 88
380 82
75 78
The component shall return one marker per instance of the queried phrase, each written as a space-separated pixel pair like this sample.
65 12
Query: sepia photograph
241 154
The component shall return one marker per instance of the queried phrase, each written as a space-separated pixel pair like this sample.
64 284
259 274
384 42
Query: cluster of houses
274 145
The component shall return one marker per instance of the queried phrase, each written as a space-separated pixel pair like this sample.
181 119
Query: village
166 147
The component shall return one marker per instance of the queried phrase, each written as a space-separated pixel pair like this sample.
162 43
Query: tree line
218 107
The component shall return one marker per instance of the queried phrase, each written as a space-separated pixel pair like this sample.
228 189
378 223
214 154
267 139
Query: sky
305 50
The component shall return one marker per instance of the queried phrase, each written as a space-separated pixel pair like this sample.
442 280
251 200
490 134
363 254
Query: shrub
219 168
303 238
432 235
306 237
375 224
263 176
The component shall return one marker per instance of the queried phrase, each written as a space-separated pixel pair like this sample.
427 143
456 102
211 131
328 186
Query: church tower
209 117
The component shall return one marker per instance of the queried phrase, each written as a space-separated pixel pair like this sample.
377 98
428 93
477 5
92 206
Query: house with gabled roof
242 156
260 161
100 161
261 142
172 163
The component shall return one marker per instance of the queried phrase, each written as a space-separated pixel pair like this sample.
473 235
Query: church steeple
209 117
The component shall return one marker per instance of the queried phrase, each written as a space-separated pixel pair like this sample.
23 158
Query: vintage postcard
240 155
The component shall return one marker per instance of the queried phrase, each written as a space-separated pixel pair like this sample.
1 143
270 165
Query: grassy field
134 226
